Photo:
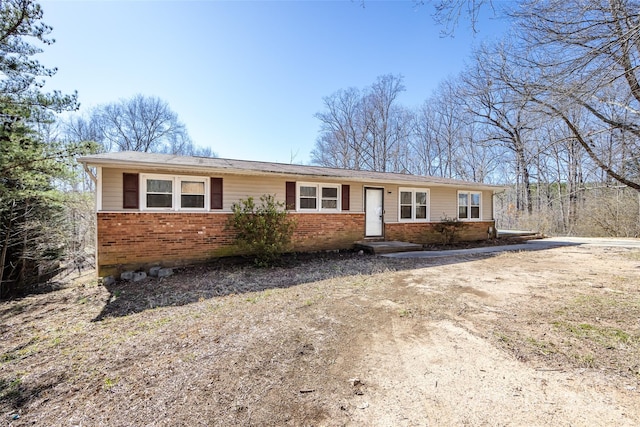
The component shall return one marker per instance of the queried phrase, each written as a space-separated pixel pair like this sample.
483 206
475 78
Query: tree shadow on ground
60 280
238 276
15 394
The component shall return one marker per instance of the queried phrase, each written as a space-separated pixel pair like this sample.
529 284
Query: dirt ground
548 337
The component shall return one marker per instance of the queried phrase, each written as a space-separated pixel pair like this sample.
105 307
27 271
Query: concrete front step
387 247
520 233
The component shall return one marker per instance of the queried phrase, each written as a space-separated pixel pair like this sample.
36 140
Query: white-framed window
308 197
318 197
168 192
329 198
413 204
158 193
192 193
469 205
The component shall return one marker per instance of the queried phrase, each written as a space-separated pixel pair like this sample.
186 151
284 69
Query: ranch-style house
169 210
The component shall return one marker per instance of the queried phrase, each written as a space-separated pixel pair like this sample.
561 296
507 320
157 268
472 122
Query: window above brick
413 204
318 197
469 205
174 192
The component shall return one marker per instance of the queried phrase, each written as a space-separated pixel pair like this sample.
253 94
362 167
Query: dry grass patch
236 345
591 320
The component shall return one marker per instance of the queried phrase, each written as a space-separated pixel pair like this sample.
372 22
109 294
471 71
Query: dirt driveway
547 337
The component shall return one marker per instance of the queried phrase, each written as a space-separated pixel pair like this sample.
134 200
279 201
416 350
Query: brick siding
132 240
424 233
319 232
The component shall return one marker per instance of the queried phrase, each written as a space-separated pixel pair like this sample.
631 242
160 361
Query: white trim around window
470 205
413 204
174 193
318 197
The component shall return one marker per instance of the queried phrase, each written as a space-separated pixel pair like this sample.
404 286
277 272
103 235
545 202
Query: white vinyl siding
112 198
443 201
487 205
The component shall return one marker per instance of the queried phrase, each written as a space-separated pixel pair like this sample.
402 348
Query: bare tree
586 55
439 132
365 129
342 131
84 128
386 121
477 162
448 13
427 151
140 124
505 115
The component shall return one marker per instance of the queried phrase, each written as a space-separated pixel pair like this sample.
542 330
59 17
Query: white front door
373 213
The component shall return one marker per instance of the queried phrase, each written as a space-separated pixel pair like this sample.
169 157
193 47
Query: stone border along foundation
136 276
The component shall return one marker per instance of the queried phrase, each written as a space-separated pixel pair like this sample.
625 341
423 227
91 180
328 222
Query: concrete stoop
387 247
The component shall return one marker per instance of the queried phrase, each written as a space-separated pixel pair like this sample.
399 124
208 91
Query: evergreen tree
31 208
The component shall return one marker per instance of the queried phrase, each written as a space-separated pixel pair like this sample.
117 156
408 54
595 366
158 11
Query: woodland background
552 111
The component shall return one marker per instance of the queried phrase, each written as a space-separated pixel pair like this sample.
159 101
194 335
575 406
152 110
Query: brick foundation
424 233
133 240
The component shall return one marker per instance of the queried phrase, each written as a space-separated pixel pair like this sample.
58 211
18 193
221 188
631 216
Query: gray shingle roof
134 159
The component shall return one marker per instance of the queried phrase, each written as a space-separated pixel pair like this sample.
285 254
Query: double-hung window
329 198
308 197
318 197
469 205
159 193
166 192
414 204
192 194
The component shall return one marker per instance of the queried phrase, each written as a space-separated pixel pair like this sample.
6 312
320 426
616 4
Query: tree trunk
5 245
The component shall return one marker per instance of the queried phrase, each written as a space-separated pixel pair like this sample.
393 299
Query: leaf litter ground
547 337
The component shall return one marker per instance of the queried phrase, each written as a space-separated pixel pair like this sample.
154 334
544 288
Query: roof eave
128 164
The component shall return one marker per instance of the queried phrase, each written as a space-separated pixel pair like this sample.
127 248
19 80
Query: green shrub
448 229
263 231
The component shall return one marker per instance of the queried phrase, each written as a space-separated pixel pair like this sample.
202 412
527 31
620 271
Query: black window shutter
130 191
290 198
216 193
345 197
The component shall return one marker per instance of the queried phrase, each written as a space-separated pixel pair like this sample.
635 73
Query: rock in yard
127 275
139 275
153 271
165 272
108 281
357 386
356 382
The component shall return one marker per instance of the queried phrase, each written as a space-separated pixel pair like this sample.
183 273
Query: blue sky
246 78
